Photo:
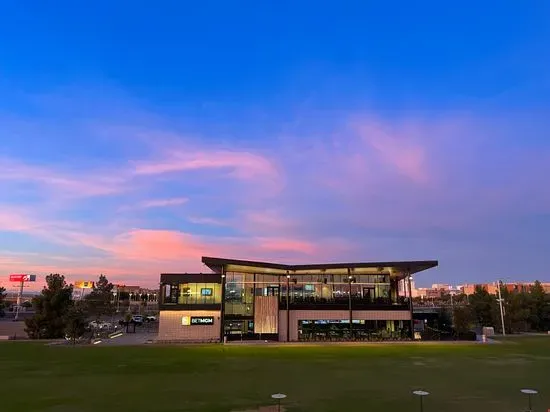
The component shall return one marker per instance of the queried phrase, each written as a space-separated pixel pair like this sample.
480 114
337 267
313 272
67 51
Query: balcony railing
357 303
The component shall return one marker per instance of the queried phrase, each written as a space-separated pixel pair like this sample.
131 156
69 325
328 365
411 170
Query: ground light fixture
529 392
279 397
421 395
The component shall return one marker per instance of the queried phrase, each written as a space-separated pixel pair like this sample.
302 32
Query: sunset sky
136 137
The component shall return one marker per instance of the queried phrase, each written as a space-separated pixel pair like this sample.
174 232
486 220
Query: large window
363 330
336 289
239 294
192 294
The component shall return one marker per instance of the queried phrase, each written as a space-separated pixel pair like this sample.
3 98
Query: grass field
461 377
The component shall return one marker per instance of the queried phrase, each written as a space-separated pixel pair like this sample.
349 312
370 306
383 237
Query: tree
75 321
100 300
463 319
539 310
483 306
444 320
516 310
3 302
50 307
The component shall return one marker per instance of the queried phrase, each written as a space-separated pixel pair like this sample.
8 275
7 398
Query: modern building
248 300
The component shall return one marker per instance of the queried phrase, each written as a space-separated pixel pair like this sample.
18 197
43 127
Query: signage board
206 292
202 320
19 277
197 320
83 284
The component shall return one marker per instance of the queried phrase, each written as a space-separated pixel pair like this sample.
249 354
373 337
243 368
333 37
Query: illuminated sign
197 320
83 284
202 320
22 278
206 292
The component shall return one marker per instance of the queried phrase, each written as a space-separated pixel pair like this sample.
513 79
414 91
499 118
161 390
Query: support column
410 303
287 307
222 307
349 305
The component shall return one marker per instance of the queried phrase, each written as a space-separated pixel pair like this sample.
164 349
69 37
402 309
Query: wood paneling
266 311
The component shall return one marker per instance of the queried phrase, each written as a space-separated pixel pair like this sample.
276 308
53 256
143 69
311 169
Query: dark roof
190 277
410 266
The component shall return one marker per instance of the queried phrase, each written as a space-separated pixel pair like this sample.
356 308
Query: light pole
501 308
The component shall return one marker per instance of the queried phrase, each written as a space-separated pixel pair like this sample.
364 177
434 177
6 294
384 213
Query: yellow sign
185 321
83 284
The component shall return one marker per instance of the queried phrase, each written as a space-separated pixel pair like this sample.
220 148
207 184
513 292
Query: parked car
100 325
150 318
137 319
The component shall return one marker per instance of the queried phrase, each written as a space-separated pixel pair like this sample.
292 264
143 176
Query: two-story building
243 300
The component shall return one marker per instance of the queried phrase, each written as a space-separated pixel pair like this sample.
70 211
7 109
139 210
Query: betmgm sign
197 320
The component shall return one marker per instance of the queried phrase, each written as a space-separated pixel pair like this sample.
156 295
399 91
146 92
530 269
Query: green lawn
461 377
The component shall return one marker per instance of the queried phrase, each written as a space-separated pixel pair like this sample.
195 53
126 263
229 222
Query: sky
136 137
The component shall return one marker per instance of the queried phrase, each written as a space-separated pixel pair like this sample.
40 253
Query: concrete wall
171 329
296 315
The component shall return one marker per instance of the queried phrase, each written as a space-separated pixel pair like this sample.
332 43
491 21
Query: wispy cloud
239 164
407 187
72 183
154 203
164 202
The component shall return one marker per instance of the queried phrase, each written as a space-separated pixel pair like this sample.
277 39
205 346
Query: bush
469 335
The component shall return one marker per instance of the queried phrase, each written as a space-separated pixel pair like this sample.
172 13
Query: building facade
491 288
246 300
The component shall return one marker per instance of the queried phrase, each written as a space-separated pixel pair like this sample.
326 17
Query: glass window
239 294
191 293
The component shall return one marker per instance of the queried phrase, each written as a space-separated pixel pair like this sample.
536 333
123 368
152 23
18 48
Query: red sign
22 278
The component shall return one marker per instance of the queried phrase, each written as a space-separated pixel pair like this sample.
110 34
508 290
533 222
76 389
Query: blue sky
133 138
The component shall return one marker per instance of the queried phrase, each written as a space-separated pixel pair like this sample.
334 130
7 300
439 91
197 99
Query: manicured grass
461 377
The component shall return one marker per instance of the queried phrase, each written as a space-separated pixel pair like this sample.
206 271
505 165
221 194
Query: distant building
135 293
436 291
491 288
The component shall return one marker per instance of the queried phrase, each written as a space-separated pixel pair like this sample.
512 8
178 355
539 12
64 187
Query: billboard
19 277
83 284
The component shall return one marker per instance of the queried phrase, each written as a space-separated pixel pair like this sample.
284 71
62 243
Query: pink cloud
243 165
287 245
397 149
143 254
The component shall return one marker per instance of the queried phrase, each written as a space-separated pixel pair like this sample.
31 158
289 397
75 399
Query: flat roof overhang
398 269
